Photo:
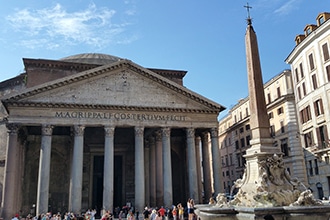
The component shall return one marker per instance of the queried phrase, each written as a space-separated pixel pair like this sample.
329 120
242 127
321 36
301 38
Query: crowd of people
176 212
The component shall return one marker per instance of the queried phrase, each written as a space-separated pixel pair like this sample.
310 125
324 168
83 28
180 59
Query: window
240 116
235 119
304 89
310 167
226 159
299 93
268 98
236 145
247 127
280 111
308 31
297 74
301 70
278 92
231 159
314 81
325 52
241 130
284 147
271 115
311 61
318 107
248 138
327 68
326 158
242 142
316 167
238 160
305 114
322 136
272 130
246 112
321 20
282 127
308 138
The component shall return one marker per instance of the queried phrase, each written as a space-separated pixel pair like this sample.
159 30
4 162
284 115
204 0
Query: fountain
275 195
266 190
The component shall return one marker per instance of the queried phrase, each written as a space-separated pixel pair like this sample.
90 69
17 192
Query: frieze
119 116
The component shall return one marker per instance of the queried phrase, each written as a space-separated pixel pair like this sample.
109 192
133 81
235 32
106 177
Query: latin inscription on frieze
119 116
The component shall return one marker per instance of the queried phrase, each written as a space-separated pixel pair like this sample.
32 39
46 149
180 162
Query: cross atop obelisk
248 7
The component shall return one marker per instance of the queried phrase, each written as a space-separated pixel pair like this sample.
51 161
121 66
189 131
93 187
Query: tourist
16 217
174 213
190 206
153 214
162 211
180 211
146 213
159 217
130 216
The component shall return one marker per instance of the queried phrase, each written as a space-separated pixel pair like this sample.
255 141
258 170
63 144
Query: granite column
44 169
108 176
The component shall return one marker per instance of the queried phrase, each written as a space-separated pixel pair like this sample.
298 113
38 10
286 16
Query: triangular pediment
121 84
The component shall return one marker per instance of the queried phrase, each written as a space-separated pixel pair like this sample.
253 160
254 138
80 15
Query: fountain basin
212 212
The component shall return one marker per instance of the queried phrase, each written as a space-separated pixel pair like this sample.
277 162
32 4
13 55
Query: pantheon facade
98 131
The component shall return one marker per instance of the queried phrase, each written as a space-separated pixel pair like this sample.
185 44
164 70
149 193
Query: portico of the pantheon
98 131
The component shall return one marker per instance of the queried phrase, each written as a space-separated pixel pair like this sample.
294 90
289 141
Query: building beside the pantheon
98 131
310 66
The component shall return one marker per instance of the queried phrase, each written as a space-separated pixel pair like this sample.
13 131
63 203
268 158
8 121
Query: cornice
42 63
176 73
105 107
123 64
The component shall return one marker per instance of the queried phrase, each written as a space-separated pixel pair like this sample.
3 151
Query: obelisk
261 142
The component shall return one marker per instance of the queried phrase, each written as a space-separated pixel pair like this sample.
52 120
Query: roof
92 58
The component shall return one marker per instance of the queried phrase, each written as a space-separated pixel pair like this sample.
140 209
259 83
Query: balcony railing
324 147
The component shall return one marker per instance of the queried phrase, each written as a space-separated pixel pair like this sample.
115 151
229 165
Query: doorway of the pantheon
97 182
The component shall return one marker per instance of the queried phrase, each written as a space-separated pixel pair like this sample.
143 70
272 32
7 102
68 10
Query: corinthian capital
47 130
214 132
190 132
109 131
166 132
12 128
78 130
139 131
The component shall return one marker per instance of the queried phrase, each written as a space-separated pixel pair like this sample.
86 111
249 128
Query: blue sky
205 38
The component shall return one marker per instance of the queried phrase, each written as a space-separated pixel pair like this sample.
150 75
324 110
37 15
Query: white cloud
287 7
55 27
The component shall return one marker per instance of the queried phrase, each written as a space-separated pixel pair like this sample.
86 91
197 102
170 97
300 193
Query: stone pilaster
44 169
